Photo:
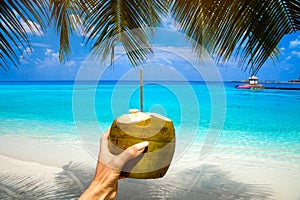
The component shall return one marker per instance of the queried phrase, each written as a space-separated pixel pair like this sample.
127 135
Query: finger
106 133
130 153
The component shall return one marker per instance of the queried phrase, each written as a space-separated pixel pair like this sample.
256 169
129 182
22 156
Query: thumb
130 153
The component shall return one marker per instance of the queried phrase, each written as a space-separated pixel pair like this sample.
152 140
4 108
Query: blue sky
170 50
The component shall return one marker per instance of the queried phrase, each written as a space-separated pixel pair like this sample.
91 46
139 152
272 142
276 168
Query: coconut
136 127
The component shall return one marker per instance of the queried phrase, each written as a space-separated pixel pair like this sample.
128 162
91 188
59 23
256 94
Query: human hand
105 182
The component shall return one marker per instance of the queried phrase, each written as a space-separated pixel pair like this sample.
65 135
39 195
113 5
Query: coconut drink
136 127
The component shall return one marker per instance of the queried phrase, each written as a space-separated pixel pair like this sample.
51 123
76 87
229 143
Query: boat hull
250 86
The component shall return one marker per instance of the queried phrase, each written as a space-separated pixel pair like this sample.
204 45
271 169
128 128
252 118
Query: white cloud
168 22
55 56
51 54
26 54
69 63
50 62
296 53
294 43
166 59
179 53
288 58
36 44
36 28
48 52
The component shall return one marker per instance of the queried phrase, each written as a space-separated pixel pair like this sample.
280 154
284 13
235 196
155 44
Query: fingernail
142 145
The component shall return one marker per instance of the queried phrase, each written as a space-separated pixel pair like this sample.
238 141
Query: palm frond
292 10
13 34
66 15
248 30
123 21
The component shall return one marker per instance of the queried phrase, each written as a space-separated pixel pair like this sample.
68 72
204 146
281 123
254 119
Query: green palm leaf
13 34
108 23
248 30
66 15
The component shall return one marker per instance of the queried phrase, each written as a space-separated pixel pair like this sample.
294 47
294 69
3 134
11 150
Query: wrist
104 184
98 191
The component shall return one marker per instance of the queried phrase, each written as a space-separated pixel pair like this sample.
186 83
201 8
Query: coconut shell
130 129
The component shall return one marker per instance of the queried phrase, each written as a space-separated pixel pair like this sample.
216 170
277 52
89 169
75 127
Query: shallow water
264 123
231 144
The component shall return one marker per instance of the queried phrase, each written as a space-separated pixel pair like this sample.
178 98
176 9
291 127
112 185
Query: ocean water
263 124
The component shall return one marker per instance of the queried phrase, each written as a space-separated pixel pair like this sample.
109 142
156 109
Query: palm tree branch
247 30
66 17
8 52
224 27
16 38
123 21
292 10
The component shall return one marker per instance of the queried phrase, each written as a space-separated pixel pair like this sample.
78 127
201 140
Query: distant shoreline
272 82
137 81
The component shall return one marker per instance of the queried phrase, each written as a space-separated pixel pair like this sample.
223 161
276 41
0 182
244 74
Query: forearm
104 185
98 191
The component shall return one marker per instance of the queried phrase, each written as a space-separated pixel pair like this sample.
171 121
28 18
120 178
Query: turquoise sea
264 123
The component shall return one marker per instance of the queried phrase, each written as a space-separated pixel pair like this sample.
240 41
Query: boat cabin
253 80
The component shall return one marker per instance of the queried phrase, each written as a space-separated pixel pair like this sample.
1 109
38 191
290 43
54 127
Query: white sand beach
33 169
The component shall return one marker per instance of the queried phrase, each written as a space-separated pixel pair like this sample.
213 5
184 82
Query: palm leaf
66 15
246 30
13 35
109 23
